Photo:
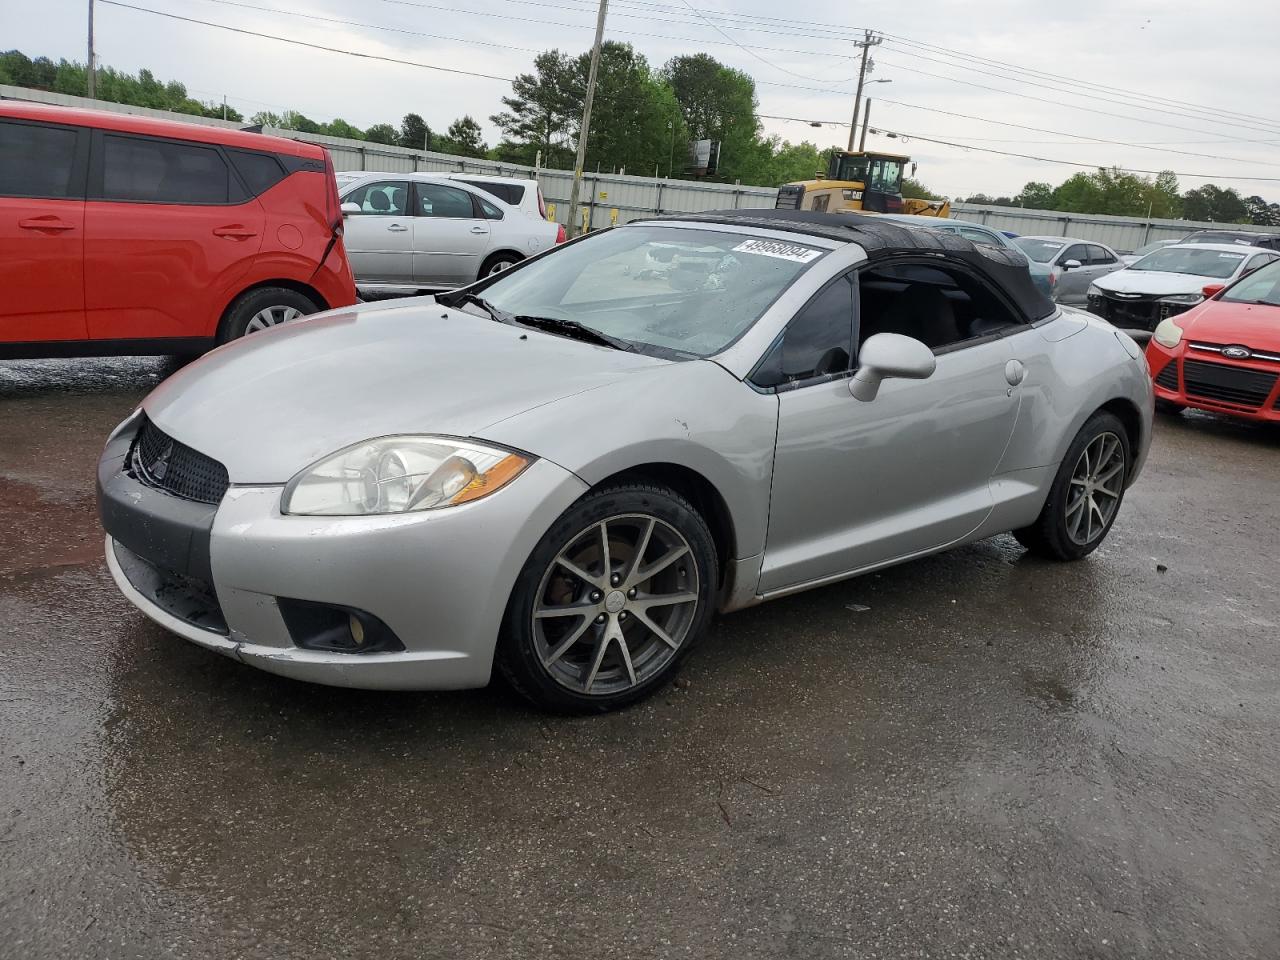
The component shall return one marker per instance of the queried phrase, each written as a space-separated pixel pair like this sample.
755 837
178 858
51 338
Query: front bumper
1204 379
439 579
1134 313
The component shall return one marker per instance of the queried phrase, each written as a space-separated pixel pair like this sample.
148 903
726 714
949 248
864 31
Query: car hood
272 403
1256 326
1153 282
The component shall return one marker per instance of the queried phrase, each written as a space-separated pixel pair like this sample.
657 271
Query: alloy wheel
499 267
1096 486
615 605
270 317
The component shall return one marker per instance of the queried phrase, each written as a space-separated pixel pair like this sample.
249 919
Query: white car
524 195
411 232
1170 281
1131 258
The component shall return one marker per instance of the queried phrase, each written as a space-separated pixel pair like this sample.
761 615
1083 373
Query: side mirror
888 355
350 208
1071 265
1212 289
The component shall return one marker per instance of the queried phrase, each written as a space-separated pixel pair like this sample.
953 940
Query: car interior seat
924 312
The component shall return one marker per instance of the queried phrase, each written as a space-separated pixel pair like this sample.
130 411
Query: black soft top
882 238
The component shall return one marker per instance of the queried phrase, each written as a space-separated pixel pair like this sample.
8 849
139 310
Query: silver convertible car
564 470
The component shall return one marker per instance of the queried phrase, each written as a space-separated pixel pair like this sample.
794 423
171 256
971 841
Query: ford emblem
1236 353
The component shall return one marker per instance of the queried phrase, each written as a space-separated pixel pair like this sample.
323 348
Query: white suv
408 232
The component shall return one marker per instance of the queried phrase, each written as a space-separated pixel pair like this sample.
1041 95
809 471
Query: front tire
264 307
1085 498
610 602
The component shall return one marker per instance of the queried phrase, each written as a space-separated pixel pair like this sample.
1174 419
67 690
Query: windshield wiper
458 299
574 329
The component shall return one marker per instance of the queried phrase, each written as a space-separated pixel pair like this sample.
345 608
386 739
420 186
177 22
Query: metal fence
608 198
1124 234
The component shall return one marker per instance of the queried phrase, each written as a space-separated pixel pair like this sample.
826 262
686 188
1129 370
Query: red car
127 235
1224 354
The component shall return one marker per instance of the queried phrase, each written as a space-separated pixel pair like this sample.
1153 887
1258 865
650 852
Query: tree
1164 198
542 112
463 138
1035 195
340 128
414 132
382 133
1262 213
1215 203
719 103
917 190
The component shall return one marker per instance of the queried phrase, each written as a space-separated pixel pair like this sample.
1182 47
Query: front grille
1258 356
1141 312
1227 384
160 461
1168 377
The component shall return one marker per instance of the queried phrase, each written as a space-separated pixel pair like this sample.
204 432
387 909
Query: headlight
400 475
1167 334
1093 291
1182 298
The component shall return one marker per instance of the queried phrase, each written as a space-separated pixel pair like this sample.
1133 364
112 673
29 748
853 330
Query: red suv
127 235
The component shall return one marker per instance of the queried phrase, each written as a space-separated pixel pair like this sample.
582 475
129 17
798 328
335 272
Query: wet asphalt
974 755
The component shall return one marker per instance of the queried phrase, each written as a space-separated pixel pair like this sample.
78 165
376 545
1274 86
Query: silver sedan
565 470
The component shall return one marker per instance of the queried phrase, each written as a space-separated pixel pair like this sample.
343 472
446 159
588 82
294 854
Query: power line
1124 103
303 43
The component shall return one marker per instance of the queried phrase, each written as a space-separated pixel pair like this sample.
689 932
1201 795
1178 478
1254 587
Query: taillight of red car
332 206
561 236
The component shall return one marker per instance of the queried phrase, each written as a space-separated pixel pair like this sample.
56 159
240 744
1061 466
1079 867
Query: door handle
479 230
45 223
234 231
397 228
1015 372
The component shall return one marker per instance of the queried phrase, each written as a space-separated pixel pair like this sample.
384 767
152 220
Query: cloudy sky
1164 83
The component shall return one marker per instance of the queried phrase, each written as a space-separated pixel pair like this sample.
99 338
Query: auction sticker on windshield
779 250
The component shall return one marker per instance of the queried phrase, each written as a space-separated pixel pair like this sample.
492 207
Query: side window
1098 256
1077 251
163 171
817 342
939 306
385 198
1260 260
37 161
488 209
437 200
979 236
261 171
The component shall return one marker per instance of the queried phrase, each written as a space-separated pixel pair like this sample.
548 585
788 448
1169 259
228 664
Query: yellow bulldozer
862 183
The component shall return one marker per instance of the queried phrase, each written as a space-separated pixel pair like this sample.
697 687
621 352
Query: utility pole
866 122
92 86
586 118
870 40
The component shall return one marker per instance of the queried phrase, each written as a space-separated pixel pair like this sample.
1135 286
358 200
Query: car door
42 183
378 231
856 483
1072 284
451 237
169 229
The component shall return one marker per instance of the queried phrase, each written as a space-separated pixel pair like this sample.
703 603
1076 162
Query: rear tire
1085 498
498 263
264 307
610 601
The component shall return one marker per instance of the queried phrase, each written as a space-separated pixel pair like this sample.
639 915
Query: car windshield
1041 251
667 290
1261 286
1152 247
1219 238
1218 264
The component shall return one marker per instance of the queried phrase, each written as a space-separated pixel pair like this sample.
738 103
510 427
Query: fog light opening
334 628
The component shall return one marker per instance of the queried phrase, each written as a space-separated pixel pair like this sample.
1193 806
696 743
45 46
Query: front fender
693 414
